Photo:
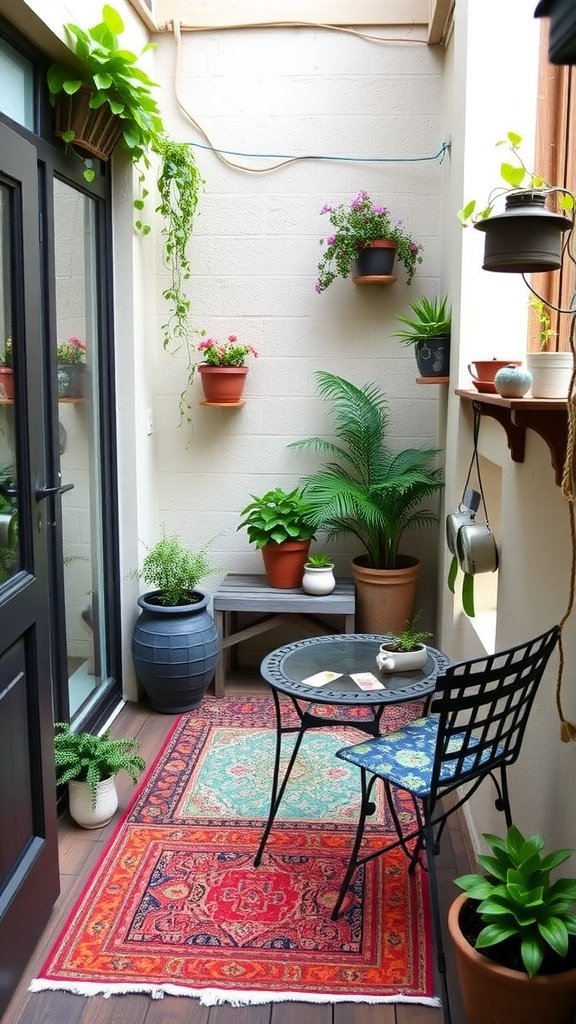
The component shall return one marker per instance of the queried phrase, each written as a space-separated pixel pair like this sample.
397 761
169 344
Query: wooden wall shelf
374 278
548 417
432 380
224 405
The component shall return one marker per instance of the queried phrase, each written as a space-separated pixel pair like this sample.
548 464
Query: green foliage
366 489
116 80
355 224
7 355
518 901
516 178
71 352
276 516
429 319
410 637
82 757
319 560
542 316
175 571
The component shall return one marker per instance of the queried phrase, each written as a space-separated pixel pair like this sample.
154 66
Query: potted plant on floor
318 579
526 237
373 493
175 644
223 370
367 237
514 933
277 525
428 329
89 765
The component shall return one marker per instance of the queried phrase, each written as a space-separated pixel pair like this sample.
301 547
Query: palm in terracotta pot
223 372
515 935
373 493
277 525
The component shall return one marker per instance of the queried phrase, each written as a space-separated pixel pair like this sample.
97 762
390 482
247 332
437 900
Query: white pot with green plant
551 371
374 494
318 579
277 525
428 330
405 651
514 933
175 643
89 765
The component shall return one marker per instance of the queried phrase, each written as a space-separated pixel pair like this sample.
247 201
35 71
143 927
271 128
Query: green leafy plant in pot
428 329
89 765
514 932
175 644
277 524
374 494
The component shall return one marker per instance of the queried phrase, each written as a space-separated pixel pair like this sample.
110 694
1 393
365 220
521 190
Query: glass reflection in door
10 559
77 367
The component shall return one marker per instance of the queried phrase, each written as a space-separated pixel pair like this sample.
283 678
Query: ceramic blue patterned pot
512 381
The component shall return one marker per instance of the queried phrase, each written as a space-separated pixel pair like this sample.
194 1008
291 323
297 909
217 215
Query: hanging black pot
175 650
526 238
433 356
376 259
562 37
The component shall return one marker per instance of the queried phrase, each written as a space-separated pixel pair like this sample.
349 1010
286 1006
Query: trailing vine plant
179 184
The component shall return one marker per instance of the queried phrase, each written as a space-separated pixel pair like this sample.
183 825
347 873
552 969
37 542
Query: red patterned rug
176 907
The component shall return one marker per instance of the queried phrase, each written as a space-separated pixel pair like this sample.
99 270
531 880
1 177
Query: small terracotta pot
222 385
6 382
284 563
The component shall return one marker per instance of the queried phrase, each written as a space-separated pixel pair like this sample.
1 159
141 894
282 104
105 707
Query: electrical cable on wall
284 160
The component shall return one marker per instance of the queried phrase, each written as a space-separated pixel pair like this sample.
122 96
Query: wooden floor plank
79 852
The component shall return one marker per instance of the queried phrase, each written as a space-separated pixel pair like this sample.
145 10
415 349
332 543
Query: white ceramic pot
551 373
512 381
401 661
80 803
318 580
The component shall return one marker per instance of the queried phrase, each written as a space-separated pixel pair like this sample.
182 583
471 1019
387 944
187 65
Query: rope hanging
568 729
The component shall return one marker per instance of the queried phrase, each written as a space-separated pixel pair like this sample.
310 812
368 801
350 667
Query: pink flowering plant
355 224
227 353
71 352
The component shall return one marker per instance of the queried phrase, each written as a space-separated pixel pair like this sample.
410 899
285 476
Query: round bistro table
287 669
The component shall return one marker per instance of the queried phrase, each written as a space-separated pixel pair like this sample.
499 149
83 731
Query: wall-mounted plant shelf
432 380
547 416
374 278
224 405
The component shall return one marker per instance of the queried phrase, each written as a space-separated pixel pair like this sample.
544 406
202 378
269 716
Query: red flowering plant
71 352
355 224
227 353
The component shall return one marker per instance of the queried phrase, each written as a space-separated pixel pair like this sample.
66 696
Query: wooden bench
251 593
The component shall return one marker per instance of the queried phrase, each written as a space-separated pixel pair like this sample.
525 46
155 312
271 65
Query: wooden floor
79 852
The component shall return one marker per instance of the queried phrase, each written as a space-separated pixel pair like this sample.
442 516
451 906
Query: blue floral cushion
405 757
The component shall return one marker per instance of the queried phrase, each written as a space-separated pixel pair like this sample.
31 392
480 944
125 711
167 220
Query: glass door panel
10 559
76 358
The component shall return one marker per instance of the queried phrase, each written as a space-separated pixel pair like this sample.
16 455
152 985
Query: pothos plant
516 177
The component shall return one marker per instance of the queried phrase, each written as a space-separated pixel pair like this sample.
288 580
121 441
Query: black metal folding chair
478 716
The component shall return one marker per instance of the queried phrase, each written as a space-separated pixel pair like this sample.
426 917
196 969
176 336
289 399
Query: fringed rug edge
216 996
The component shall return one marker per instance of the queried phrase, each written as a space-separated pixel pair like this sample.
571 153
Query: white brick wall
255 253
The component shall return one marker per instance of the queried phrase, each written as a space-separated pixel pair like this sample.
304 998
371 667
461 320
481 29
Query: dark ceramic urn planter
175 651
562 36
433 356
526 238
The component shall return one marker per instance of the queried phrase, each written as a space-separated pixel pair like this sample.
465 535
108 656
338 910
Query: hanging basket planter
96 132
526 238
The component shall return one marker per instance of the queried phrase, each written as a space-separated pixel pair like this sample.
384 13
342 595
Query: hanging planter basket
96 132
526 238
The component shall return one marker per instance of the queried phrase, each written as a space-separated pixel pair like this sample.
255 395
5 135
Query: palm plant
366 489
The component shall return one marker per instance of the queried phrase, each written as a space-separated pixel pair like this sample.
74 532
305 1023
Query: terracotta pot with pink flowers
222 372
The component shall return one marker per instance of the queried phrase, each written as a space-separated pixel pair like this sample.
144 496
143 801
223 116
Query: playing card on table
320 678
366 681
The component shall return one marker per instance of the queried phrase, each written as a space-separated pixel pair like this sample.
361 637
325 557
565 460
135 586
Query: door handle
50 492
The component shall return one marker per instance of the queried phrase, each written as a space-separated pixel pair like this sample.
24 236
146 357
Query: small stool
251 593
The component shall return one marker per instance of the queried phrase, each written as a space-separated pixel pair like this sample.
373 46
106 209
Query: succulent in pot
516 928
277 524
318 578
